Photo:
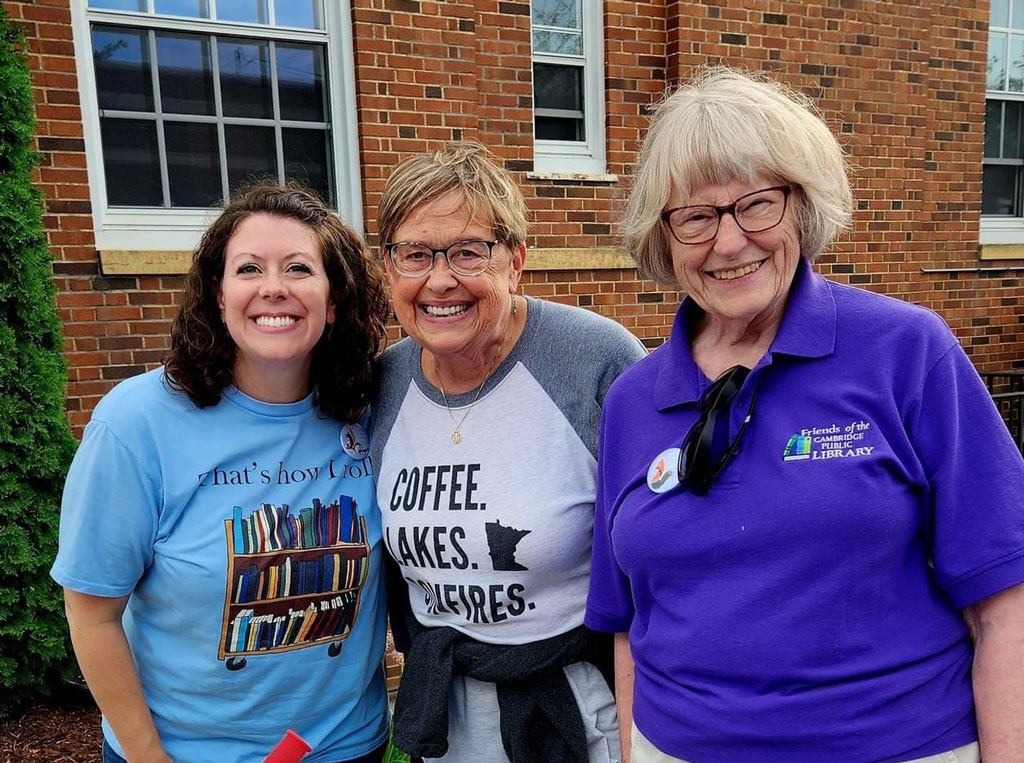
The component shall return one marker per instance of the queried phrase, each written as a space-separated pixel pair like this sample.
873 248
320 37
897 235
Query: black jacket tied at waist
540 720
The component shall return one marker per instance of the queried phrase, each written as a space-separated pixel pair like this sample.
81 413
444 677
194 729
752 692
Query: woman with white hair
808 534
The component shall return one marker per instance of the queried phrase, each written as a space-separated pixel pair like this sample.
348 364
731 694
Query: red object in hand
290 749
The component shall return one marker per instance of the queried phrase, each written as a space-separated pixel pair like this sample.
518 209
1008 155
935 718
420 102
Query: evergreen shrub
35 441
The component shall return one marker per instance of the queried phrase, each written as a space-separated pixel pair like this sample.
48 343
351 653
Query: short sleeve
975 478
609 601
108 519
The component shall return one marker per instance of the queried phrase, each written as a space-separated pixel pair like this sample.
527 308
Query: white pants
642 751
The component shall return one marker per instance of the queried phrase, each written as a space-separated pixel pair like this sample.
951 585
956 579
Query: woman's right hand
106 663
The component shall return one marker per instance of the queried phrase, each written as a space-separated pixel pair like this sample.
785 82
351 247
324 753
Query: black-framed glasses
701 456
413 259
753 212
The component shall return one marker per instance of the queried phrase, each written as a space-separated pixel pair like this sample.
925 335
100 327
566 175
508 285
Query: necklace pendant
456 436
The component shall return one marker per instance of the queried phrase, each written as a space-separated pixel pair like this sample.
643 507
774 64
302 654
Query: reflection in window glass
131 162
300 13
999 13
245 84
251 11
193 164
1011 130
307 158
563 13
993 128
998 189
123 79
1016 64
1017 17
558 87
252 154
567 43
197 9
119 5
996 61
186 77
300 81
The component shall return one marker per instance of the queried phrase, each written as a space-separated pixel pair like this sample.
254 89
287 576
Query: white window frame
163 229
586 156
1000 229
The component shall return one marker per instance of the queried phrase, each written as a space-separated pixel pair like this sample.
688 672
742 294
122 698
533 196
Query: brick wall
901 82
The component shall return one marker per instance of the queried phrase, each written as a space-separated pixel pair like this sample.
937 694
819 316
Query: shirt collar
807 330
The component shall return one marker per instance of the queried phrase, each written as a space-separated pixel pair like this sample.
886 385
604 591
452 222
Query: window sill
574 177
134 262
1001 251
598 258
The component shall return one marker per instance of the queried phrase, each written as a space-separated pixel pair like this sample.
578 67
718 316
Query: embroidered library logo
294 579
829 442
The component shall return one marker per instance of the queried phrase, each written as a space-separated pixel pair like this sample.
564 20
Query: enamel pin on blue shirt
354 441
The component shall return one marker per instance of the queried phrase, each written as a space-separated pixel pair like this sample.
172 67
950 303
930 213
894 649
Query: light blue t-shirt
250 544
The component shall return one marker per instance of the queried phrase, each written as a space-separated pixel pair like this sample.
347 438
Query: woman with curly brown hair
220 540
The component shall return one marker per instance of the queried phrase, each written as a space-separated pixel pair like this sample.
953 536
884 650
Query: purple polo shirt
807 609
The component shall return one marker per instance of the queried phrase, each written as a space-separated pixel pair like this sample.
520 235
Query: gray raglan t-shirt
493 534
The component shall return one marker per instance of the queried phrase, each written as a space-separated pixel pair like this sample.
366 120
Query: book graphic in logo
798 448
294 579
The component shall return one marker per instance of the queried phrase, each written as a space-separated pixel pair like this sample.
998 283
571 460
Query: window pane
252 153
131 161
993 128
193 164
557 128
245 87
186 80
300 82
996 61
1011 130
568 43
1016 65
1017 20
302 13
558 87
251 11
563 13
307 158
123 78
192 8
999 12
119 5
998 189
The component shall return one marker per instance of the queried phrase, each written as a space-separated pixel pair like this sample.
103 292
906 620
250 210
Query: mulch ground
64 733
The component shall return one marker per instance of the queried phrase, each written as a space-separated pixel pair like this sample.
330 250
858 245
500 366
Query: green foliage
35 442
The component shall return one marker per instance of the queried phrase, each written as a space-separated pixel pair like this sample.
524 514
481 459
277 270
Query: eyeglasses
699 464
753 212
466 258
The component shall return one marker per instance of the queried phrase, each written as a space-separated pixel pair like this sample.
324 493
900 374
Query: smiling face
738 278
458 319
275 301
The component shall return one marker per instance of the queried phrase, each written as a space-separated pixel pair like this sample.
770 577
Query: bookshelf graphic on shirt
294 578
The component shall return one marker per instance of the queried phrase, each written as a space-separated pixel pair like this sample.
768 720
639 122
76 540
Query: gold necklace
456 435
